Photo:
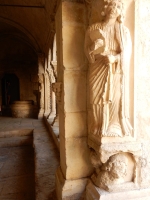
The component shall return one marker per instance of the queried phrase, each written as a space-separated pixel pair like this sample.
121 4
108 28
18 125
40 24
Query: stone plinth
69 189
95 193
23 109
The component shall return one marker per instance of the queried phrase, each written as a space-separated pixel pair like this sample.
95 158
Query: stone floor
46 158
17 173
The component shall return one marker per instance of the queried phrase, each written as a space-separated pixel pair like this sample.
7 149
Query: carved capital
57 88
54 64
51 75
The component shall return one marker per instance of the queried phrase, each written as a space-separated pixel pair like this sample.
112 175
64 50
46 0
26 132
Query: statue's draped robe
109 85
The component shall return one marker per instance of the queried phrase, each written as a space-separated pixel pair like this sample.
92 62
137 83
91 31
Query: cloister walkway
28 160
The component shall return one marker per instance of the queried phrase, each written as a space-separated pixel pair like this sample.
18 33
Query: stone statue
108 49
113 172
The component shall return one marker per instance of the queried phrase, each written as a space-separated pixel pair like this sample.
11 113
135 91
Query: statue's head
114 9
117 166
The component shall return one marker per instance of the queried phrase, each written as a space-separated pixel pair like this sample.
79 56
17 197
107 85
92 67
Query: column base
95 193
51 116
46 113
56 121
69 189
41 114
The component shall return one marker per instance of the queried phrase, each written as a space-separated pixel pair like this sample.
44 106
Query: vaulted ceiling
30 21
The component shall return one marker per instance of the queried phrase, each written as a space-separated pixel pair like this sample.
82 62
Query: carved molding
108 149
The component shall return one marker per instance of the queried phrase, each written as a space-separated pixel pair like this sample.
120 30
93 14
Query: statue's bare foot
114 130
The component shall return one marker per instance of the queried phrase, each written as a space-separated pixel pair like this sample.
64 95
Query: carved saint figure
108 49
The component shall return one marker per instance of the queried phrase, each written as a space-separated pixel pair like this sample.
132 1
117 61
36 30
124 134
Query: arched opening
18 68
10 89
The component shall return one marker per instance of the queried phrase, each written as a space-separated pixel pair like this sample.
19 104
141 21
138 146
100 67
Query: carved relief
41 91
57 88
114 172
108 49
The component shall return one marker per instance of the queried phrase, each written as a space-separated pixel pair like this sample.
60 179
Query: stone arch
30 38
13 80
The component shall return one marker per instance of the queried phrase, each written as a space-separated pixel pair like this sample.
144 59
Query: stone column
52 79
41 59
75 167
56 120
47 94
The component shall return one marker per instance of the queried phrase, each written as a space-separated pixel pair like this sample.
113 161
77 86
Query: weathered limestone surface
142 85
69 189
72 72
17 172
100 194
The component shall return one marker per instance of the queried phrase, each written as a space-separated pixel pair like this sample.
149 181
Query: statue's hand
96 44
109 59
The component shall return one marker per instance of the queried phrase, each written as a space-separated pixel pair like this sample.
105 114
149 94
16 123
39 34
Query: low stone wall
46 155
17 165
54 131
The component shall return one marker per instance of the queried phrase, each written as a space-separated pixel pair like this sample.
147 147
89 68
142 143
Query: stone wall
142 84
